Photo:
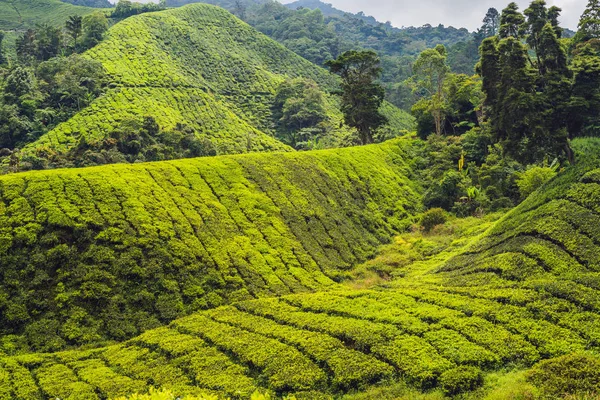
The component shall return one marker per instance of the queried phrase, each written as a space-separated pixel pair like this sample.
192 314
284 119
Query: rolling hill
196 66
89 255
25 14
525 291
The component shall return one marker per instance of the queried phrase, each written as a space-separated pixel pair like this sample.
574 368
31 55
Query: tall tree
2 57
553 15
511 21
589 25
74 27
298 110
491 23
48 41
555 81
537 15
362 96
584 106
430 72
25 45
94 27
509 85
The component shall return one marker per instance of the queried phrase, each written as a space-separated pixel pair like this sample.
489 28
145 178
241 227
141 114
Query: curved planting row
102 253
307 344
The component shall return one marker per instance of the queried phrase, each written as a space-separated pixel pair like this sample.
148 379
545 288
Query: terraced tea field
526 291
107 252
201 67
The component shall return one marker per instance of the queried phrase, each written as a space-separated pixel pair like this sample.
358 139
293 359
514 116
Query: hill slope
102 253
196 66
25 14
526 291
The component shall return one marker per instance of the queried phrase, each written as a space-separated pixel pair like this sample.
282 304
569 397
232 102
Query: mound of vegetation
195 70
525 292
24 14
102 253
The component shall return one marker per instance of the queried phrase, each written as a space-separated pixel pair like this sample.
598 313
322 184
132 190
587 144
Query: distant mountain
329 10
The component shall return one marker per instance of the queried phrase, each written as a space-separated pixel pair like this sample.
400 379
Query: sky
457 13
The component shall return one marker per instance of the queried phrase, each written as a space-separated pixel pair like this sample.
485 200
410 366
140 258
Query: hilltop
525 291
193 69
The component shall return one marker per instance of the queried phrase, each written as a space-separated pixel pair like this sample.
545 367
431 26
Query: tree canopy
362 96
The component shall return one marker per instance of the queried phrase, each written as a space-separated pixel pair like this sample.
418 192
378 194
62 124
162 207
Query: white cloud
458 13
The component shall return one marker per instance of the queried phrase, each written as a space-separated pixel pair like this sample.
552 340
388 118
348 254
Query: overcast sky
458 13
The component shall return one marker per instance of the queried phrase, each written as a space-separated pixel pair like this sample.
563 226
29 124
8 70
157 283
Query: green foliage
589 24
129 247
35 100
25 14
430 74
200 68
361 95
533 178
477 300
533 104
299 111
126 8
574 374
461 379
94 26
432 218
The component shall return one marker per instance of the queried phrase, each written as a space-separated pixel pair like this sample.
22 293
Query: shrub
164 394
573 374
533 178
461 379
432 218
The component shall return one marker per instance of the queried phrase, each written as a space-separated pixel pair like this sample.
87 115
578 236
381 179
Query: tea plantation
104 253
197 66
525 291
24 14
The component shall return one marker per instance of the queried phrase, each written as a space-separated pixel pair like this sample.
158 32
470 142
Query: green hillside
524 292
196 66
104 253
24 14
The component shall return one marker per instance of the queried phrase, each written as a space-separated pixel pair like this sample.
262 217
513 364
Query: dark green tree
491 23
555 83
362 96
298 110
25 46
553 15
589 24
537 17
513 104
430 73
48 42
2 57
584 106
74 28
94 27
511 21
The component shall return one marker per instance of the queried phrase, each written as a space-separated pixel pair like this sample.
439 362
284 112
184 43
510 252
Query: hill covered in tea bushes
524 292
24 14
88 255
194 69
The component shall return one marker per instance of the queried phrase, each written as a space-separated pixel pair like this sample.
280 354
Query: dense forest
241 199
